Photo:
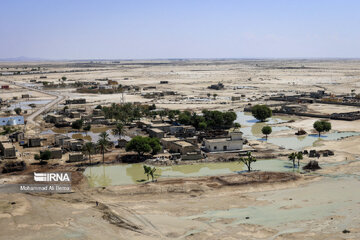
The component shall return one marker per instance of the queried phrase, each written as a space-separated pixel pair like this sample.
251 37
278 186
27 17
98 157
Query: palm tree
299 157
103 143
149 171
89 148
119 129
292 157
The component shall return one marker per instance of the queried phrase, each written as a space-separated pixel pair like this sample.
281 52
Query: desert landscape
193 188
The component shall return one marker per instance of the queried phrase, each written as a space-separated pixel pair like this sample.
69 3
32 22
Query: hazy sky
84 29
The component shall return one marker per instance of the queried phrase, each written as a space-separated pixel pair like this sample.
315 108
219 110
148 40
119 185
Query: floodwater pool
123 174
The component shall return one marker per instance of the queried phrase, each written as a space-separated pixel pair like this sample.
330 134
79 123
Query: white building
231 143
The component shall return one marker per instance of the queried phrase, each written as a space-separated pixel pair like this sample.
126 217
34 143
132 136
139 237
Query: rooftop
184 144
156 130
170 139
8 145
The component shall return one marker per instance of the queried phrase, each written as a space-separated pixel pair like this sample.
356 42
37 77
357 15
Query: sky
156 29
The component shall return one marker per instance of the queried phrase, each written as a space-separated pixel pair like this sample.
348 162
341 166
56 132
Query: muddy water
300 142
134 173
92 135
289 209
251 128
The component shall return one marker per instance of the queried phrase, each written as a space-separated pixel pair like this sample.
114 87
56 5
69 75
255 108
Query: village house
186 149
56 153
163 126
73 144
293 108
75 101
59 139
17 136
166 142
76 157
75 114
192 140
143 124
186 131
97 112
231 143
54 118
34 142
99 120
182 147
7 150
155 132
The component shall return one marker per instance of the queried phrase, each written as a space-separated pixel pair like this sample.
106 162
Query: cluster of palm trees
295 155
101 146
103 143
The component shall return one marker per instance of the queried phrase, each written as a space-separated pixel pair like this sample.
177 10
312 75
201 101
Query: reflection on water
246 119
251 127
252 131
300 142
133 173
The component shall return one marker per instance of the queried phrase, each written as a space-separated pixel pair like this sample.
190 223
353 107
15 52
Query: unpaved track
30 119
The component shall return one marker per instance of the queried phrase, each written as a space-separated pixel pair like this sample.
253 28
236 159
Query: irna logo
52 177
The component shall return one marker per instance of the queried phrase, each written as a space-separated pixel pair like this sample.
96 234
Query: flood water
301 142
123 174
25 105
284 205
251 128
92 135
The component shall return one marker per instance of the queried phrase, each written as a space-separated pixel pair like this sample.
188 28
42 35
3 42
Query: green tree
266 130
171 115
17 111
143 145
292 157
299 157
202 125
103 143
7 130
208 95
237 125
149 172
63 78
248 160
322 126
77 124
98 107
162 114
261 112
87 128
215 95
119 130
89 148
155 145
185 118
